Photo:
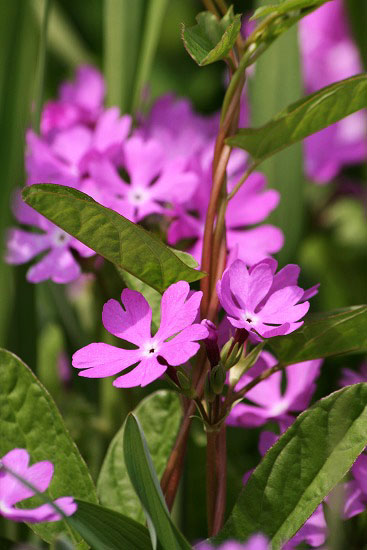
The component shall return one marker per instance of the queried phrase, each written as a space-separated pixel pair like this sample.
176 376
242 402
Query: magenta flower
350 376
173 344
153 181
329 54
268 401
261 301
252 204
80 102
13 491
58 264
256 542
313 532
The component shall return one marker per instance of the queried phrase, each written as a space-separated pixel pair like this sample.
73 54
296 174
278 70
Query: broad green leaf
276 83
145 482
303 118
105 529
334 333
211 39
120 241
154 18
300 470
160 417
283 6
29 419
122 20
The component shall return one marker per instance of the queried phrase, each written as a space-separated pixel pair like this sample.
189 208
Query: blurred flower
269 402
13 490
261 301
173 344
58 264
256 542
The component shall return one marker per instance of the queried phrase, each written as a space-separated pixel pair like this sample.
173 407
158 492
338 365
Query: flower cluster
14 467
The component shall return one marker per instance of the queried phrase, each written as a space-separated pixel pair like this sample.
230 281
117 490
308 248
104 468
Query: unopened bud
184 380
226 349
217 379
208 390
234 356
211 342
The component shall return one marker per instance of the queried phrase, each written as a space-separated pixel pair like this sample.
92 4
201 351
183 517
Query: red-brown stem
211 479
221 459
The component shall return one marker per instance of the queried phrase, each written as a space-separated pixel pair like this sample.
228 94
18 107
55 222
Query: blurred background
325 225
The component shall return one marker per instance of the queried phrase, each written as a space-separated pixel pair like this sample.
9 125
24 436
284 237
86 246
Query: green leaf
122 20
120 241
276 83
160 418
283 6
29 419
145 482
105 529
154 18
303 118
333 333
300 470
211 39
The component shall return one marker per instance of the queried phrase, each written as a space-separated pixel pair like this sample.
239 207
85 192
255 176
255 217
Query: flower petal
101 360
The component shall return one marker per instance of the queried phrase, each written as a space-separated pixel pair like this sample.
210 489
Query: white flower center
138 195
150 348
60 238
250 318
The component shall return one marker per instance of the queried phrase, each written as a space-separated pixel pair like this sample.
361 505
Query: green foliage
29 419
6 544
211 39
324 335
299 471
120 241
303 118
284 6
144 479
160 417
105 529
276 83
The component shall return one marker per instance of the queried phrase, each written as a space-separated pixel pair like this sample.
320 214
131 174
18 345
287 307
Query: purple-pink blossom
256 542
57 262
175 342
268 401
12 490
262 301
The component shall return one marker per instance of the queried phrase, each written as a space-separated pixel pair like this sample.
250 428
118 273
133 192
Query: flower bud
217 379
184 380
208 390
211 342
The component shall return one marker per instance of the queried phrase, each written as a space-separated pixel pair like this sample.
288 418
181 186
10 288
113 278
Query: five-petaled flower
12 490
174 343
261 301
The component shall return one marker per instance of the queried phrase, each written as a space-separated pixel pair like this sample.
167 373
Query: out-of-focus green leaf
105 529
145 482
29 419
357 12
6 544
154 18
303 118
50 346
211 39
283 6
276 83
122 21
120 241
324 335
64 40
300 470
160 417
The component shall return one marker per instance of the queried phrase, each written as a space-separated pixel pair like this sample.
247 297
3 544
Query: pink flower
173 344
13 490
80 102
58 264
252 204
329 54
268 401
152 180
256 542
313 532
350 376
261 301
